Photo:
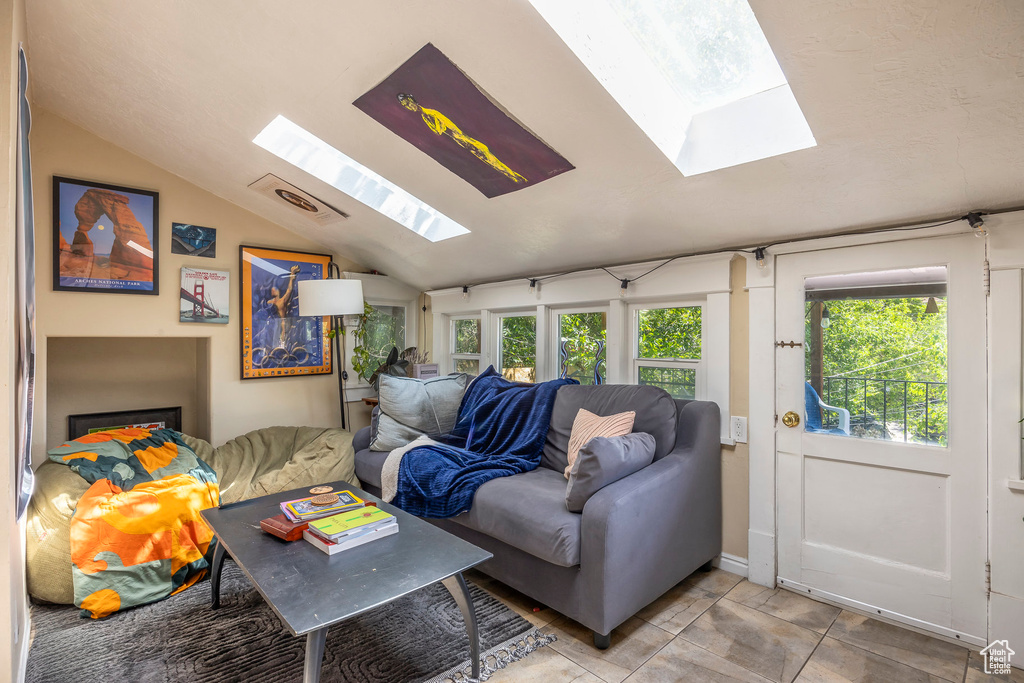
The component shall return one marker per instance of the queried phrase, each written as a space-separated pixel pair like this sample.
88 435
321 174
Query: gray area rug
419 637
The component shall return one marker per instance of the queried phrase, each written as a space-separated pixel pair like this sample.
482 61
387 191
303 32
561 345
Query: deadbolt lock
791 419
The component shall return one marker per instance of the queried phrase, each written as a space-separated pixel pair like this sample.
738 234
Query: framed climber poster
432 104
105 238
276 341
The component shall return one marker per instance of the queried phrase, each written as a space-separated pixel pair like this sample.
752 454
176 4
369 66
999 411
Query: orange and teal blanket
137 535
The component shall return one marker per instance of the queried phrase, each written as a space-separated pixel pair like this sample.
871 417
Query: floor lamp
334 297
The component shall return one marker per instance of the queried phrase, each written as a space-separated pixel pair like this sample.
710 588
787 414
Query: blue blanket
500 431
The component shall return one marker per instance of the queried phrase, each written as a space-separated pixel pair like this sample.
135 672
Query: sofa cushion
588 426
603 461
369 465
654 407
528 511
410 408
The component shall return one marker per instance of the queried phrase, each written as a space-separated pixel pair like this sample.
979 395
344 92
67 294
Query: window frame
498 317
699 365
453 357
555 335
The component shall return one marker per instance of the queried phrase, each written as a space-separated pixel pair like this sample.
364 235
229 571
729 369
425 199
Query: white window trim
497 318
697 364
451 356
554 364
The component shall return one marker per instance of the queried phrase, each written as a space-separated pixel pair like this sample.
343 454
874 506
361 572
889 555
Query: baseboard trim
731 563
25 643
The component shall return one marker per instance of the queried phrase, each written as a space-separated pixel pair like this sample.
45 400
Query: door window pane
669 332
581 351
679 382
519 348
385 329
875 361
467 336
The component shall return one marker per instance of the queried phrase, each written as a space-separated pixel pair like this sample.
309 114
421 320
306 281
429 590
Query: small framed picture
105 238
205 296
193 240
276 340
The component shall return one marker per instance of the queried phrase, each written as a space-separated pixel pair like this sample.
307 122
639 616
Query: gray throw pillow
605 460
410 408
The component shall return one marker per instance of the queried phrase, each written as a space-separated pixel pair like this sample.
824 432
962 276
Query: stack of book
350 529
303 510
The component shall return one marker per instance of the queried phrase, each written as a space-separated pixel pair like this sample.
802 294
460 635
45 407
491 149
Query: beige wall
235 407
100 374
735 459
13 600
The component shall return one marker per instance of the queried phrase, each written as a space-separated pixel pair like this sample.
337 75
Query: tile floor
720 627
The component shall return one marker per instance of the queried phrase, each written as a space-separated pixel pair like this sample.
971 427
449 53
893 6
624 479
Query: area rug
420 637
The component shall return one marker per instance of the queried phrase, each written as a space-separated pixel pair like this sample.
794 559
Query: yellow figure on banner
442 125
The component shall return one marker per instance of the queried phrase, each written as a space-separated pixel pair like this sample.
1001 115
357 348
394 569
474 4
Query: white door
884 509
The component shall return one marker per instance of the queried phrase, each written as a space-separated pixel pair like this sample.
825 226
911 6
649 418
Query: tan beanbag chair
256 464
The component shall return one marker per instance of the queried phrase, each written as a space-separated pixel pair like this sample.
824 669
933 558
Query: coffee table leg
218 564
314 655
456 585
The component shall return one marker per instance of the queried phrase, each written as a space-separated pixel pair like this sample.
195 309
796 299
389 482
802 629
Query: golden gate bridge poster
205 295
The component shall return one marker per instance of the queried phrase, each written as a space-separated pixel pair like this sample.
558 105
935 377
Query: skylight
301 148
698 77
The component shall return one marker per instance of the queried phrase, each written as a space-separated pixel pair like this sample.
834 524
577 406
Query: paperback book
303 510
349 523
332 547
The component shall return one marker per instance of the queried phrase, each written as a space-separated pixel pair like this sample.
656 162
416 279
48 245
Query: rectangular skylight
301 148
698 77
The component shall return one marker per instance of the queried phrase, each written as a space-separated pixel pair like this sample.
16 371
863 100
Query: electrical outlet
738 429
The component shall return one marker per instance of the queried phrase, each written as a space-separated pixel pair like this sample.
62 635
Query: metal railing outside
899 410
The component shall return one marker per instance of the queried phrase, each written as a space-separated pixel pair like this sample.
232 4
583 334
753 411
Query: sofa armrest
361 440
646 532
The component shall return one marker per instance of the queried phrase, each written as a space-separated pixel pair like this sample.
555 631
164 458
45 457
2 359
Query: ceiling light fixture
465 292
762 262
301 148
623 286
533 285
976 222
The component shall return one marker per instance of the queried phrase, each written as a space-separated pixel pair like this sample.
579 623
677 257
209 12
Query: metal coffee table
311 590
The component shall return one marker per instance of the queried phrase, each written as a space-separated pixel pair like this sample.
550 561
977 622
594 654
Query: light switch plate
738 429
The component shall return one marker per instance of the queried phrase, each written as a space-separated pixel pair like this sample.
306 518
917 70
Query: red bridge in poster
197 297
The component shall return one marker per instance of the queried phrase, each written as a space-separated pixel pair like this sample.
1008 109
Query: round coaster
326 499
317 490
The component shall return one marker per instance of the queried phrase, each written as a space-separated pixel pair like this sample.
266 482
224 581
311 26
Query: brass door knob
791 419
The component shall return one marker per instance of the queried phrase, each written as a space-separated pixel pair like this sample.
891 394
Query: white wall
235 406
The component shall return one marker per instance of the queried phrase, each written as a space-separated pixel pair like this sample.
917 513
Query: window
667 350
875 360
518 350
699 78
466 345
581 346
301 148
385 329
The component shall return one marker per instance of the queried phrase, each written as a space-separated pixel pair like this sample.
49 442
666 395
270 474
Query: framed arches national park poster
105 238
276 340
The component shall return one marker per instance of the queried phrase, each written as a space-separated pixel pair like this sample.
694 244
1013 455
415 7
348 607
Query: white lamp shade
330 297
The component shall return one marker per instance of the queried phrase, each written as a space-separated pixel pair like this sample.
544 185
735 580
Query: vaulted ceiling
917 107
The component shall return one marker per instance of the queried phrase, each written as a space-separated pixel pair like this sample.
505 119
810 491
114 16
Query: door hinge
987 278
790 344
776 419
988 576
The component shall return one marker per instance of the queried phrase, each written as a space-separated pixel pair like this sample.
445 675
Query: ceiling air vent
300 201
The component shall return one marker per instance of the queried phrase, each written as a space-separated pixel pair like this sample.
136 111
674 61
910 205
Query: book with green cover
345 522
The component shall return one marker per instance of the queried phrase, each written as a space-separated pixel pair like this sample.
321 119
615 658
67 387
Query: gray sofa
634 540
